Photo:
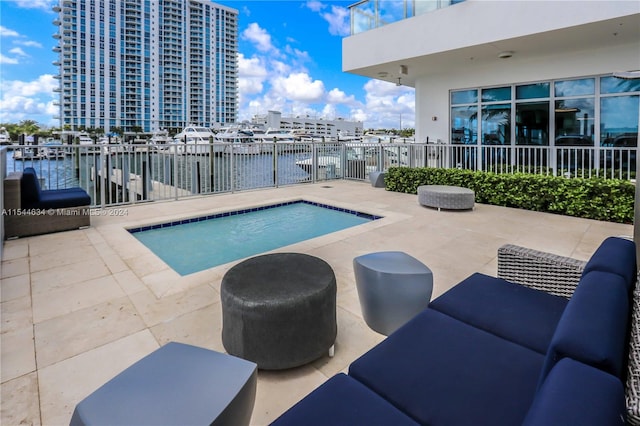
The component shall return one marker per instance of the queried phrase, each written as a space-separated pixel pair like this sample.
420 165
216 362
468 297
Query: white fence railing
131 173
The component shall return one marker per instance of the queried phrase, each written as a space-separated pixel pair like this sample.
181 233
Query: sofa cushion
29 188
615 255
512 311
439 371
593 327
343 400
576 394
61 198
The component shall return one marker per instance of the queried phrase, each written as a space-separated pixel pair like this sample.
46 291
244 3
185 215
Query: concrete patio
78 307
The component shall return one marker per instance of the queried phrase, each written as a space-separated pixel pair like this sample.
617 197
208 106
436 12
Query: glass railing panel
370 14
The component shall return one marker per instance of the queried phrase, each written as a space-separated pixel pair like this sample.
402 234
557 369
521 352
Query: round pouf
446 197
279 310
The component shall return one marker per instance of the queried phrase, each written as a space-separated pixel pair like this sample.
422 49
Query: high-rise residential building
146 65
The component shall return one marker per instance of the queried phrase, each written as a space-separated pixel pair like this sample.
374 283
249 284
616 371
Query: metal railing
120 174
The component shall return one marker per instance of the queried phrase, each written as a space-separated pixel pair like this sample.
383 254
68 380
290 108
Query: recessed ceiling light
506 54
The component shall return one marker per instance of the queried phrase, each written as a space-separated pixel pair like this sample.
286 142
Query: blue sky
290 60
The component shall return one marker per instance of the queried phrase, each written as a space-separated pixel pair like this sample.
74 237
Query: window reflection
464 97
532 91
574 122
496 94
532 123
619 121
495 124
464 122
585 86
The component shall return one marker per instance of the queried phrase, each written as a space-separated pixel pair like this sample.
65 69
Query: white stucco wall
432 92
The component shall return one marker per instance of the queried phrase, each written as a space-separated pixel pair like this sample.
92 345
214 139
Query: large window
584 112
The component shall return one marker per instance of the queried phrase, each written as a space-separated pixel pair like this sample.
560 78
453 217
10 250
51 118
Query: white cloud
388 105
337 96
7 32
28 43
18 51
299 87
315 5
338 19
25 99
251 73
7 60
45 5
259 37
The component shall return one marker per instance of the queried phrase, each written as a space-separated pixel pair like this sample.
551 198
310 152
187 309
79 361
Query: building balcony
473 32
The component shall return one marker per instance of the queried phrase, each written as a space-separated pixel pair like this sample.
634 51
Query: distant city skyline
289 57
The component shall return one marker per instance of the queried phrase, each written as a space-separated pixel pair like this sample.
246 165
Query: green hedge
594 198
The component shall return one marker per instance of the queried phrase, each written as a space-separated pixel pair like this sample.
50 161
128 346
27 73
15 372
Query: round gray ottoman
279 310
446 197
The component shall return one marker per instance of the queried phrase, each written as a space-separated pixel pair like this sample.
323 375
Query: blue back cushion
29 187
593 327
615 255
576 394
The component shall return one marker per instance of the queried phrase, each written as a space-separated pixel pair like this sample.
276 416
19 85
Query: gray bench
446 197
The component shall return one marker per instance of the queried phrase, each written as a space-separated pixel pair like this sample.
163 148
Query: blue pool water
195 244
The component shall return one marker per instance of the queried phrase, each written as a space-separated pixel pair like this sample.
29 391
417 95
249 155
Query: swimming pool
196 244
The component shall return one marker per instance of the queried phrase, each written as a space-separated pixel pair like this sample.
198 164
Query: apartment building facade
539 73
311 126
146 65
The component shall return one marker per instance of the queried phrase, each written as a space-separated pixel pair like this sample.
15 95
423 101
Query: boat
5 139
84 140
160 140
275 135
27 153
237 141
196 140
53 150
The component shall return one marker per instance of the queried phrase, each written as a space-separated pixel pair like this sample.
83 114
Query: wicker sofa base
45 222
19 222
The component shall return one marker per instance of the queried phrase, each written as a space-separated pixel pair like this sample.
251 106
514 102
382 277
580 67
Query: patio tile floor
78 307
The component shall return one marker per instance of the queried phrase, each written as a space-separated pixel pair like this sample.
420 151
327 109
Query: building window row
595 111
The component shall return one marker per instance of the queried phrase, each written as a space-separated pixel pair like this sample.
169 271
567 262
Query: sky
289 57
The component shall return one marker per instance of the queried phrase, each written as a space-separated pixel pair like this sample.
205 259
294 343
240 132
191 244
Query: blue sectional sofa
495 352
30 210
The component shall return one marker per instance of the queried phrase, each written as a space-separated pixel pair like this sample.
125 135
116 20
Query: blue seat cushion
441 371
615 255
593 327
576 394
61 198
512 311
343 400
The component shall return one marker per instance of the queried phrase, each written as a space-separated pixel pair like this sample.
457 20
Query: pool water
196 244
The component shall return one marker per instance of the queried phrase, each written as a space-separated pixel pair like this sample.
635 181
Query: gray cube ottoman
393 287
279 310
177 384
